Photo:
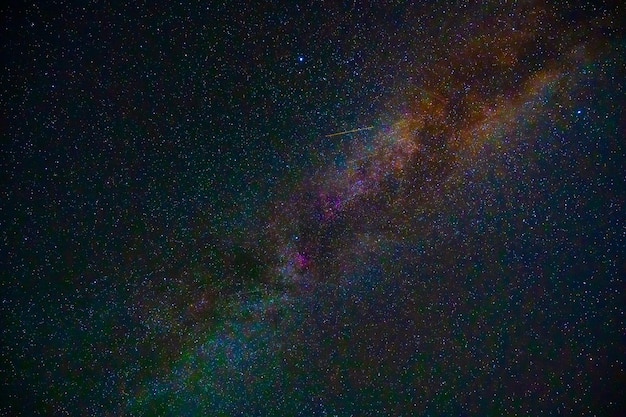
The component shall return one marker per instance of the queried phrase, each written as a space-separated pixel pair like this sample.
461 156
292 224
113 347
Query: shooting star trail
432 94
345 132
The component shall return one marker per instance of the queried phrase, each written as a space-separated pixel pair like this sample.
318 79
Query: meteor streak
345 132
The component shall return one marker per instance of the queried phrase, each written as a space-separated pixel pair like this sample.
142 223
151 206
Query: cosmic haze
325 208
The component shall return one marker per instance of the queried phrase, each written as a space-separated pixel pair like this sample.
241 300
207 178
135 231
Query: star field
338 208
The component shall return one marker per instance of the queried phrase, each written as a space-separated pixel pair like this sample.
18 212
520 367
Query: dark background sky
145 147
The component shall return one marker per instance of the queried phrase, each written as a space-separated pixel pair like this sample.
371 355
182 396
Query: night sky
333 208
